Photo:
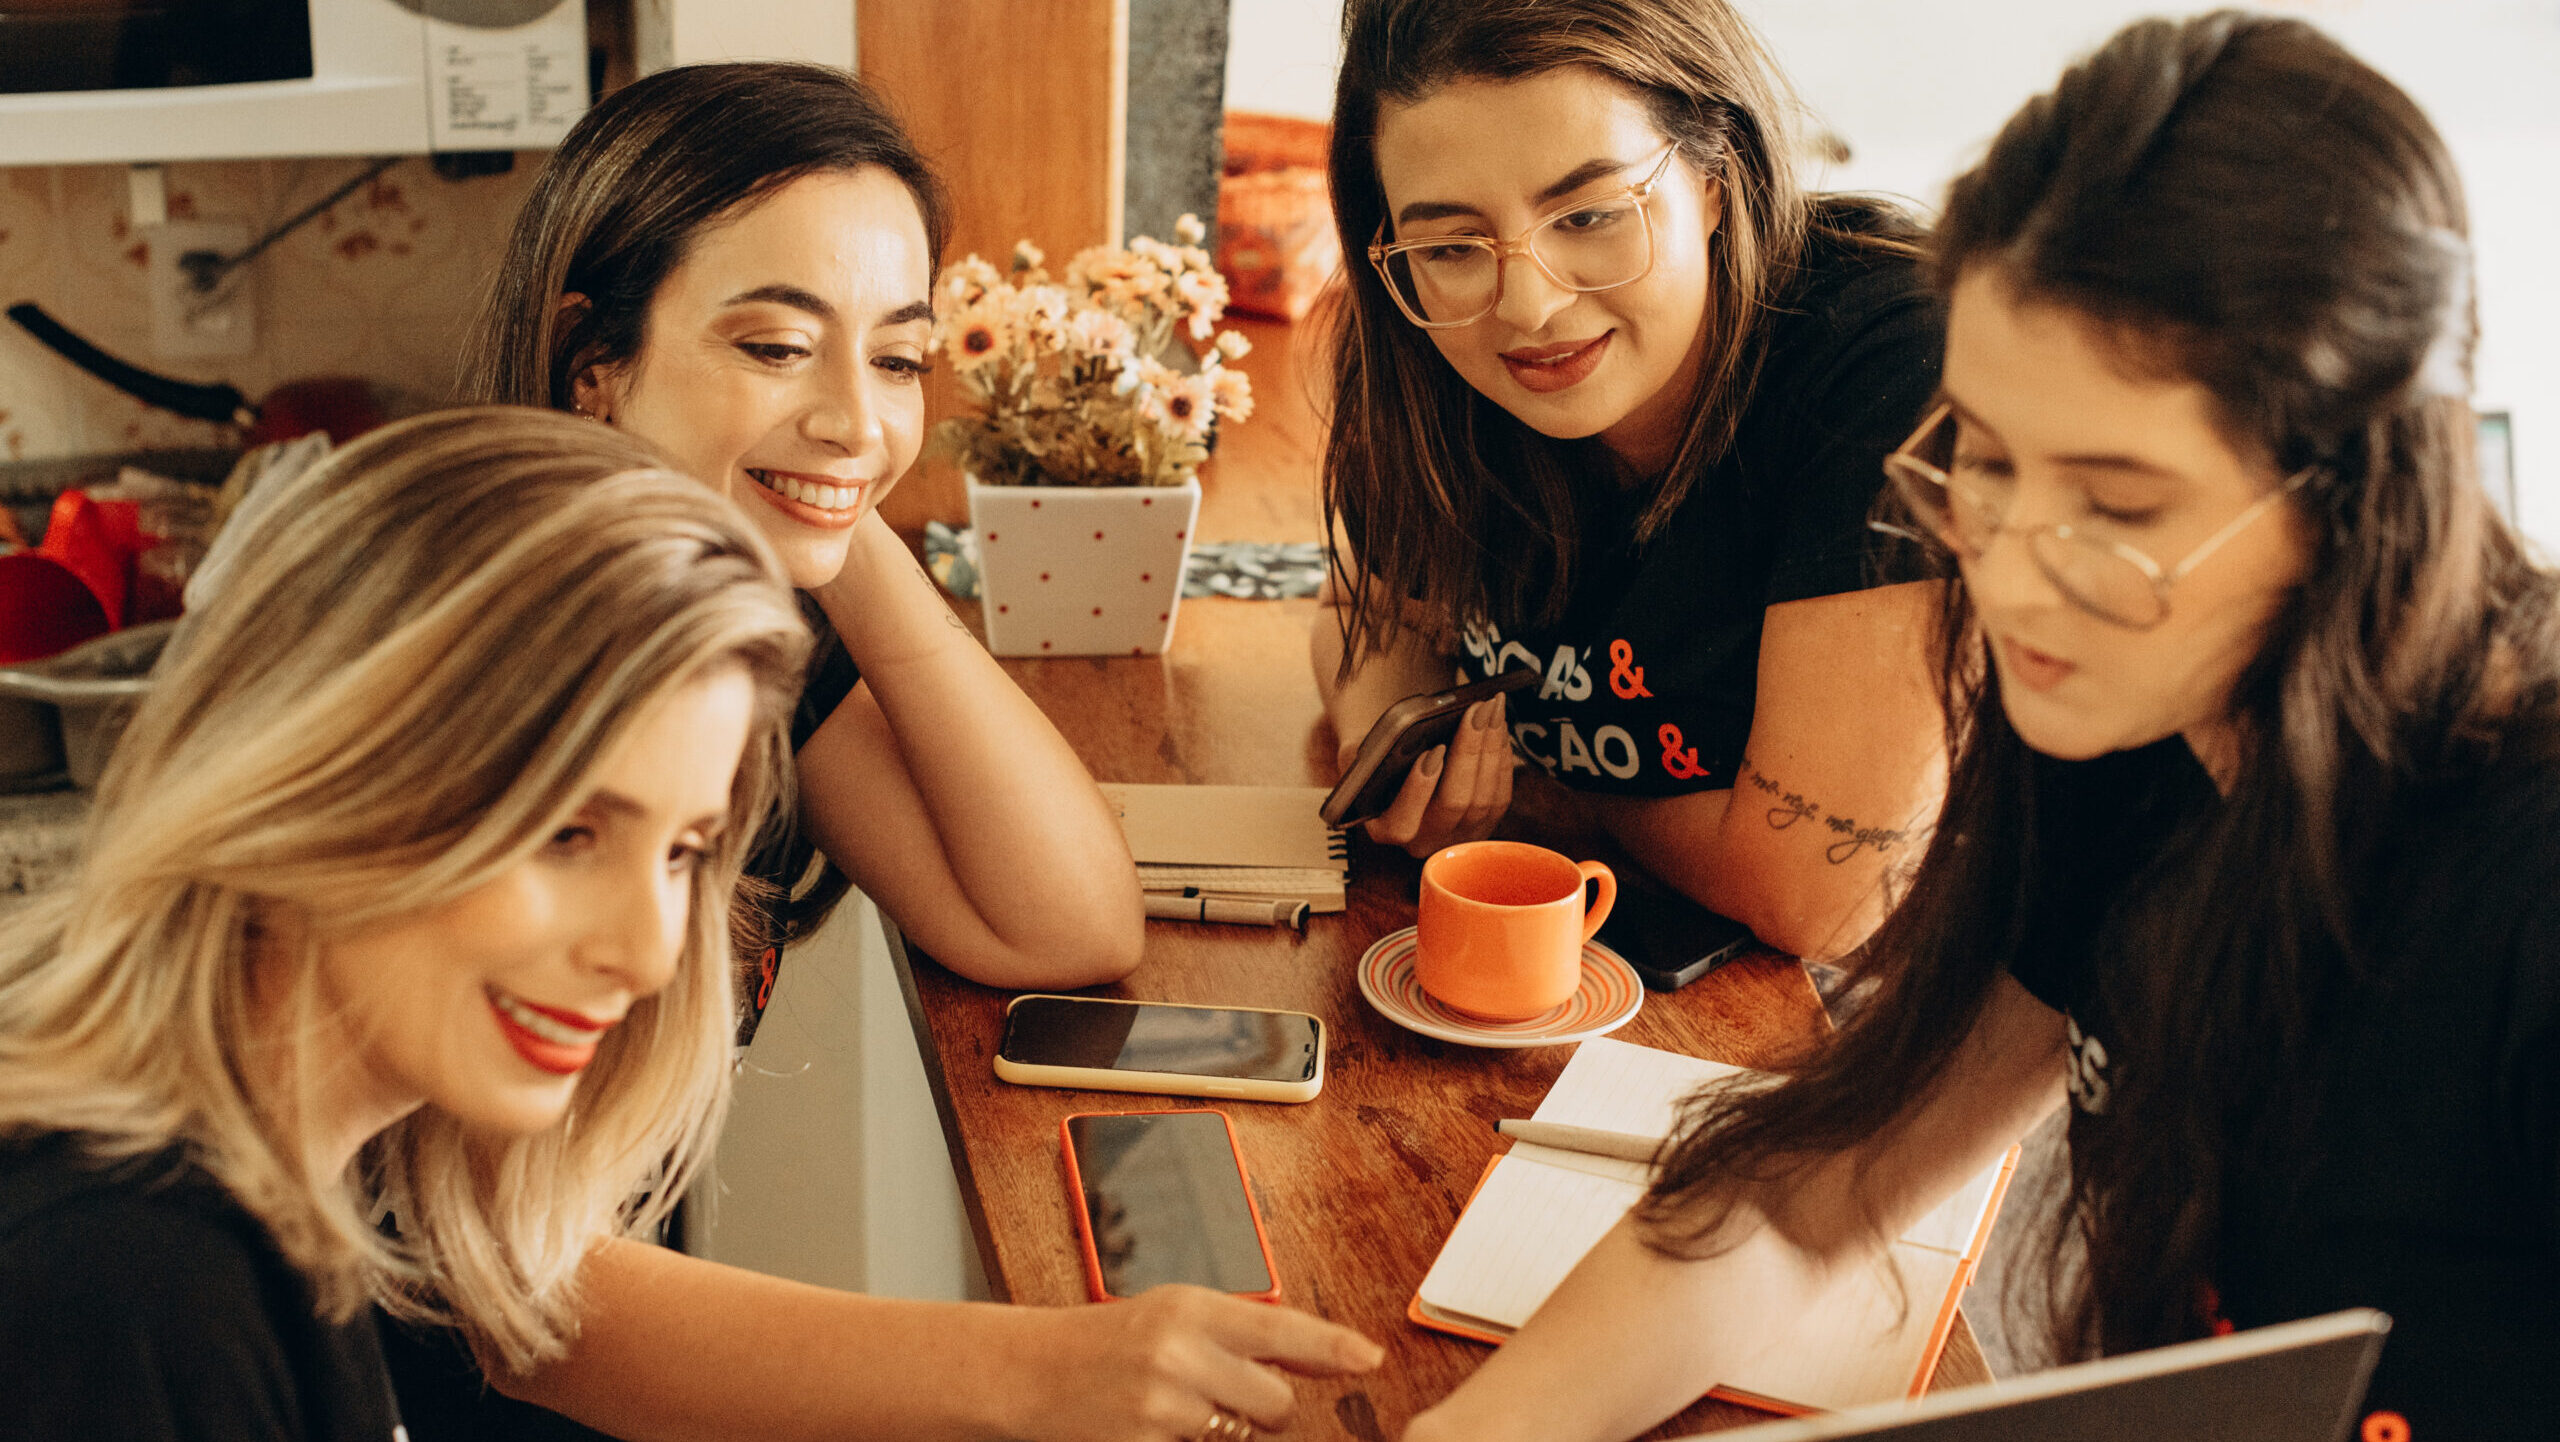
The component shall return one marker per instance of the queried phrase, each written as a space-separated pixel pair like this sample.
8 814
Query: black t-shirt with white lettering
2431 1187
1651 677
139 1301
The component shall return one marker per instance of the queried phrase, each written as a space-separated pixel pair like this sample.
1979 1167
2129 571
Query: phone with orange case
1162 1197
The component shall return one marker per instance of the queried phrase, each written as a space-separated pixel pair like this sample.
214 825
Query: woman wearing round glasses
2255 801
1609 396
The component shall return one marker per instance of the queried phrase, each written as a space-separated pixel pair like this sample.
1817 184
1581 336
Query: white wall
1282 55
1917 87
832 1168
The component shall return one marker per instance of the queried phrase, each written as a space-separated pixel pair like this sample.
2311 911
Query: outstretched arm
949 799
677 1349
1841 778
1634 1336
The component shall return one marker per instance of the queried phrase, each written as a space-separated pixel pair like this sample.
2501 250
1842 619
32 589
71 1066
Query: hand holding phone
1401 736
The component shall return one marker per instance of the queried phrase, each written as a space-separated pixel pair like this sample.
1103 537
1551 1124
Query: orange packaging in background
1276 242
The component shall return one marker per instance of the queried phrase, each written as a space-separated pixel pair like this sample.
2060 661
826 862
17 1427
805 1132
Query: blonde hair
430 643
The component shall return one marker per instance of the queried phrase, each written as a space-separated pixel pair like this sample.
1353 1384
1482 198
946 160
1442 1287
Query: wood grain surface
1359 1187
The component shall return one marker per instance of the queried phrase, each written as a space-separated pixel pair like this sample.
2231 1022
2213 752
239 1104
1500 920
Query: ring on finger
1225 1426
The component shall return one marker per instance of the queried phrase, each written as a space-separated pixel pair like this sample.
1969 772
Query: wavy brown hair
1445 497
2242 203
617 207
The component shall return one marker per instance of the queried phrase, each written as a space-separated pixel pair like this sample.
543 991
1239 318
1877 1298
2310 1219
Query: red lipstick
1547 368
541 1052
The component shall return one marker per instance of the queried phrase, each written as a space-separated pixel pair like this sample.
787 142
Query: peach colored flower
964 281
1188 405
1040 314
1233 345
1098 333
976 335
1188 229
1231 392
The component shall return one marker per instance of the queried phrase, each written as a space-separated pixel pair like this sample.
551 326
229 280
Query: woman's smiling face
1493 157
490 1006
784 357
2053 421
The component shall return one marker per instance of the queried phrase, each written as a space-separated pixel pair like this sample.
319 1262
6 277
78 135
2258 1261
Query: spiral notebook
1539 1209
1258 841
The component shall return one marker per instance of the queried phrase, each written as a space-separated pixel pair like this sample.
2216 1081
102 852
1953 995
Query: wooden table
1360 1186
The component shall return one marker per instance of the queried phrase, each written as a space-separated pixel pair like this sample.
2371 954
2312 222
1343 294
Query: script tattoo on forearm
1786 808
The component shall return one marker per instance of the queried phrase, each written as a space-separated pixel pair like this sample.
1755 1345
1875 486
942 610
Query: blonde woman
407 897
406 894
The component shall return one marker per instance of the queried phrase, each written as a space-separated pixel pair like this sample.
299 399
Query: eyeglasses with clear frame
2106 578
1442 282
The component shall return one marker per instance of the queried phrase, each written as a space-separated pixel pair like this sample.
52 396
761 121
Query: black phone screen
1067 1031
1670 940
1164 1196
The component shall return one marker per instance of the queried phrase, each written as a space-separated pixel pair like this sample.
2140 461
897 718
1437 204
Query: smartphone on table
1162 1197
1399 737
1670 940
1104 1044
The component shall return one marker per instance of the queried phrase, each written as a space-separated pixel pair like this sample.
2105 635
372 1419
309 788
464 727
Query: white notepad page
1539 1210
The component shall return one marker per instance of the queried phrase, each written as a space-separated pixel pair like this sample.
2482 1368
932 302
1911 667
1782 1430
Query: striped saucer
1608 999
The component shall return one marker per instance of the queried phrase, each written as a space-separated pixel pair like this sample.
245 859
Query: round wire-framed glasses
1600 242
2105 577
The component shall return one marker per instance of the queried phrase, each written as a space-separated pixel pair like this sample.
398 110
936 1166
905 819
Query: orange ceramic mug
1502 926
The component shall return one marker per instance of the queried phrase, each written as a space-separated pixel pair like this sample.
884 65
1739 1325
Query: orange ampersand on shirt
1680 761
1625 676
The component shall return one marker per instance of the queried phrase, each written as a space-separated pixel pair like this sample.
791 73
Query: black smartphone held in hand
1161 1197
1670 940
1105 1044
1399 738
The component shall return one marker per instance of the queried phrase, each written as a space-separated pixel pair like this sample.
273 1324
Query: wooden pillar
1022 105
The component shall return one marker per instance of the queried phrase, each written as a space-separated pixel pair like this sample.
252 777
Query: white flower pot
1081 571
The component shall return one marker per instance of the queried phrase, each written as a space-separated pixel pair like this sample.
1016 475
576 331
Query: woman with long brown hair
2248 840
1609 393
735 263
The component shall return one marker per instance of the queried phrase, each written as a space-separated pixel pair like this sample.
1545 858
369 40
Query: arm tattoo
1789 807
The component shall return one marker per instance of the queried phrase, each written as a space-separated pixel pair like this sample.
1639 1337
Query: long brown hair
617 207
619 204
1446 498
2244 204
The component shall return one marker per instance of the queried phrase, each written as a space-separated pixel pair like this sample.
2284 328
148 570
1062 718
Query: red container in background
1276 242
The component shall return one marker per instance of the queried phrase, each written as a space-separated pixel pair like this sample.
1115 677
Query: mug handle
1598 911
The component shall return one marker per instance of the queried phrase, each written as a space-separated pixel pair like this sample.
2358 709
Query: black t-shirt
1652 675
783 854
139 1301
2432 1188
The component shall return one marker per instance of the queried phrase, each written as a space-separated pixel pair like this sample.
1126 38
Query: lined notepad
1540 1209
1233 840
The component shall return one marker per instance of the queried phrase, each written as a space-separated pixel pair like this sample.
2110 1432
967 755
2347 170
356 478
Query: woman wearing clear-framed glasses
1609 393
2254 805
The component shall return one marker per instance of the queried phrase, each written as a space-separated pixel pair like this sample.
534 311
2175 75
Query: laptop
2296 1382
